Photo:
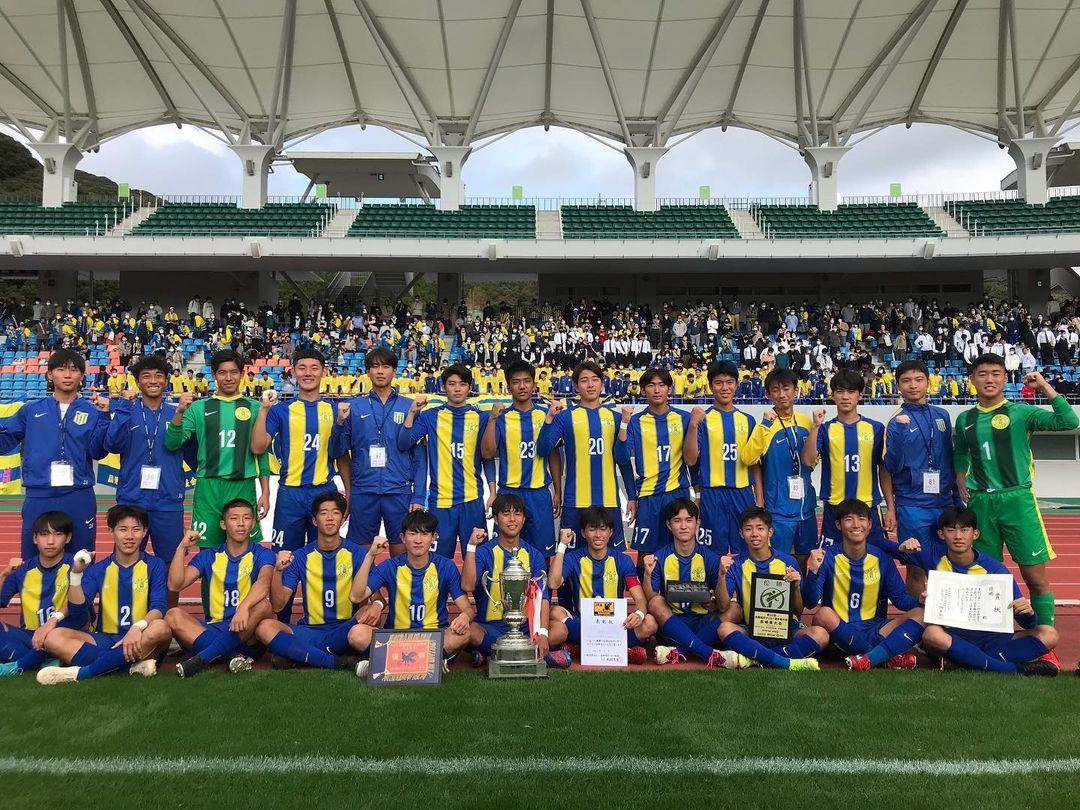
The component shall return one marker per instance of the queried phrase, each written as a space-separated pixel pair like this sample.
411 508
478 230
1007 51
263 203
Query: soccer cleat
478 660
1051 656
668 655
344 662
191 667
148 668
573 649
53 675
1040 666
804 665
362 668
636 656
9 669
560 659
723 659
857 663
240 663
281 662
445 667
902 661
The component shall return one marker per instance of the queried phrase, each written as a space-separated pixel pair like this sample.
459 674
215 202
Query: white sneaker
148 668
48 676
240 663
668 655
362 668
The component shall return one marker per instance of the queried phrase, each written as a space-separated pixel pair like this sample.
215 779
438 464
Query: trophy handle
541 581
486 578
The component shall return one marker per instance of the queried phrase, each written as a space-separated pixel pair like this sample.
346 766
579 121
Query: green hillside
20 176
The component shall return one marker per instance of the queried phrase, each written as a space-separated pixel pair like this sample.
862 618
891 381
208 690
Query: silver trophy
515 656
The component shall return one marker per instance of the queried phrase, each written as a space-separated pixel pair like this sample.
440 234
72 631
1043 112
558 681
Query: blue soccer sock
31 659
802 646
744 645
204 640
226 642
903 638
676 630
107 661
85 655
289 646
1025 648
965 654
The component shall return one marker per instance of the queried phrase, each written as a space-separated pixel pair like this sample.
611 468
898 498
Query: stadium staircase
132 221
428 222
339 225
1002 217
944 220
226 219
669 222
744 222
853 221
549 225
88 218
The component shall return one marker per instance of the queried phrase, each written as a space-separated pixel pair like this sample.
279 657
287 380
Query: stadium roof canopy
810 72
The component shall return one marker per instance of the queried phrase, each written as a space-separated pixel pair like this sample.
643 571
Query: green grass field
605 739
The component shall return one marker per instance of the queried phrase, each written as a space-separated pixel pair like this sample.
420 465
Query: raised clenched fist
269 396
819 416
697 416
184 401
343 409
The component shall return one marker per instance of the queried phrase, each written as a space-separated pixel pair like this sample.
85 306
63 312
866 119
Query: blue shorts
165 532
830 535
571 519
493 631
918 522
105 641
293 525
720 510
539 529
794 535
650 529
331 638
702 625
991 644
80 506
858 638
367 511
14 641
456 524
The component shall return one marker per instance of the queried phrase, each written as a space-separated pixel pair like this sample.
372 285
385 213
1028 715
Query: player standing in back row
992 458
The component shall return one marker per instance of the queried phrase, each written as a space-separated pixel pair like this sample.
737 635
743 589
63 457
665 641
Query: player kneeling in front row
1028 652
417 585
489 560
683 578
130 587
236 582
327 635
755 529
854 583
597 570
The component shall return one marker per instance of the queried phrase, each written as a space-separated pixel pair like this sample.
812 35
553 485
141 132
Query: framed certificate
406 657
771 610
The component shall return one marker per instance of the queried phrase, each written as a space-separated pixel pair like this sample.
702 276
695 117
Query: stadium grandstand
708 320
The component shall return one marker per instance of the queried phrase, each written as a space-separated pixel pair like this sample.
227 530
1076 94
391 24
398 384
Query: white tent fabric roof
807 71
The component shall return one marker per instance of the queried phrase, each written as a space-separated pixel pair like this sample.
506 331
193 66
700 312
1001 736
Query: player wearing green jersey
992 460
227 467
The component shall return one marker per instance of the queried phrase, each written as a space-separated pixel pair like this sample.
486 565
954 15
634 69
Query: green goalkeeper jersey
222 428
993 445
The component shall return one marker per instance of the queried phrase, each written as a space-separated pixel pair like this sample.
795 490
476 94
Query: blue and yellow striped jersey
226 579
125 593
587 436
740 573
455 465
701 565
491 558
301 434
41 591
654 442
326 578
857 590
721 437
417 596
777 447
850 460
520 467
606 578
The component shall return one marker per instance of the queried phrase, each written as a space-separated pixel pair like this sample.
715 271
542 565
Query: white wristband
640 613
58 615
471 548
543 631
625 424
141 624
561 548
379 602
75 579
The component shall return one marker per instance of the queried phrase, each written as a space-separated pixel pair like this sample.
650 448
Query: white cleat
148 669
240 663
668 655
362 668
48 676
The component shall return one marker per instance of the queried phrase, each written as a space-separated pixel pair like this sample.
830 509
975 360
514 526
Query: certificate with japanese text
603 637
970 601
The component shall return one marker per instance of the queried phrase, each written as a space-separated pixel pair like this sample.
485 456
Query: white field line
483 765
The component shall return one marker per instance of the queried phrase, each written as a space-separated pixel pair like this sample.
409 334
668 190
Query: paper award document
603 637
970 601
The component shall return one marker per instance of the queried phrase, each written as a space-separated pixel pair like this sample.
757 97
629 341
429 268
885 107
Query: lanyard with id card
377 450
61 471
150 473
795 483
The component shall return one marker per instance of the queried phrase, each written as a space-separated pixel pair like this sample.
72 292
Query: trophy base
505 670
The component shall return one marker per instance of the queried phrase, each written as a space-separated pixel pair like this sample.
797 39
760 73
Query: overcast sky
562 163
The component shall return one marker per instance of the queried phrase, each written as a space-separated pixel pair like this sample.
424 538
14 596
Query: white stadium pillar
255 159
643 159
822 161
1030 156
451 186
58 180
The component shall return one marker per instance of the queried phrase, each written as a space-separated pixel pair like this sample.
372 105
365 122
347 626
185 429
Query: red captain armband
631 580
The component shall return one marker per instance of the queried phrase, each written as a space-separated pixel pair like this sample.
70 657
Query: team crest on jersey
611 576
243 570
343 569
81 417
399 417
242 414
870 576
138 585
1000 421
940 424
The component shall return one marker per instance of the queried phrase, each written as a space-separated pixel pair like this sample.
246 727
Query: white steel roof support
1030 156
643 159
58 179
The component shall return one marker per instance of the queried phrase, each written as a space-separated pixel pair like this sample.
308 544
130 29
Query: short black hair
847 380
337 498
53 520
519 367
420 522
988 359
958 517
755 513
588 365
724 368
851 506
653 373
150 362
781 377
596 517
235 503
66 357
308 354
679 504
225 356
457 370
123 511
507 503
380 356
912 365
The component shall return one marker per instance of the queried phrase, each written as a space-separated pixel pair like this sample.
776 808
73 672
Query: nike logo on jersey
38 415
365 415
